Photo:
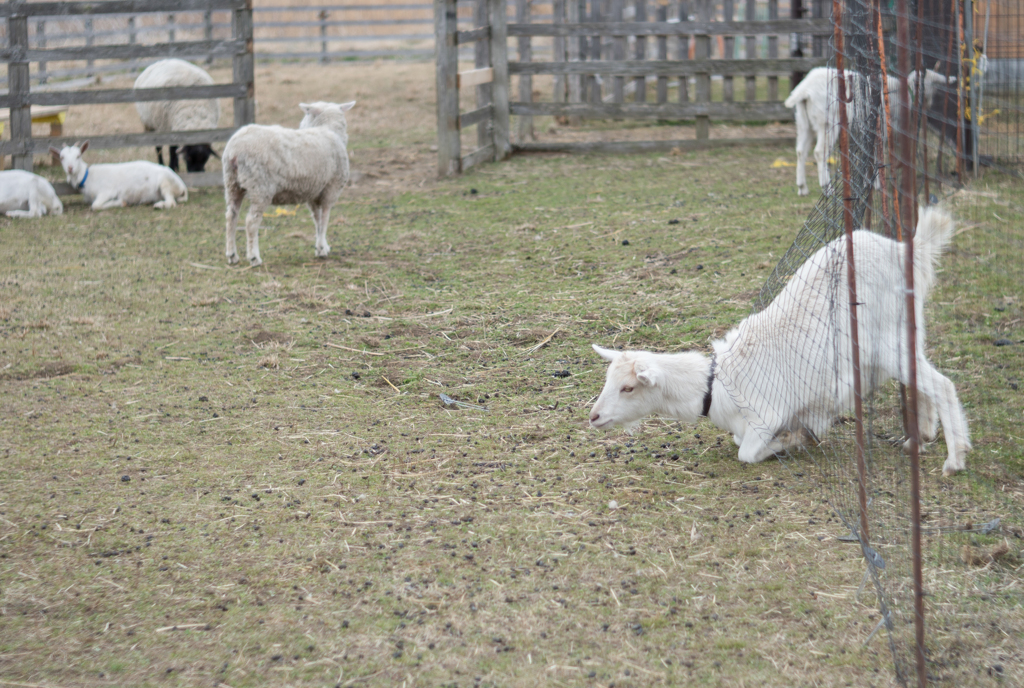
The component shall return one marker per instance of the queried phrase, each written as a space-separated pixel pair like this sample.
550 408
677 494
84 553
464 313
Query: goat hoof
802 191
255 262
322 252
232 258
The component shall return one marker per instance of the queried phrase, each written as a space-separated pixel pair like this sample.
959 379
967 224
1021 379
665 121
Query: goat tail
934 232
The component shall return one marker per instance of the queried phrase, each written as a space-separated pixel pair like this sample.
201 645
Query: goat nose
594 417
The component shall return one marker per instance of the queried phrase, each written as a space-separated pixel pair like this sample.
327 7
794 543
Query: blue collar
82 183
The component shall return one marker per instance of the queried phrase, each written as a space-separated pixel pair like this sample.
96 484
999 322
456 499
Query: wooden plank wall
606 55
21 97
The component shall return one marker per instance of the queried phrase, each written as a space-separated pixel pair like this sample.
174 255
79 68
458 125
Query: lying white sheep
786 373
115 185
814 102
278 166
23 194
179 115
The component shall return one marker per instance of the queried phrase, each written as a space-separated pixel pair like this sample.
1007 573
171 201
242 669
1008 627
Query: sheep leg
234 198
252 232
321 217
942 393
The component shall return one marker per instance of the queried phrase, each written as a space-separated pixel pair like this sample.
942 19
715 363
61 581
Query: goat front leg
106 201
252 232
35 208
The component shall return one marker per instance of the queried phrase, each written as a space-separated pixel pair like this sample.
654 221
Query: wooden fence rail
595 71
20 97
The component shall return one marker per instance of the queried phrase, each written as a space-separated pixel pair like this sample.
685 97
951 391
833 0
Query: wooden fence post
640 83
728 50
449 147
19 88
618 54
90 37
208 31
525 123
482 60
499 91
322 16
751 52
41 41
703 51
243 67
558 45
662 88
684 53
773 51
575 48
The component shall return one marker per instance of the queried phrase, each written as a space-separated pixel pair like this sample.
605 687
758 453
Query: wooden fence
593 76
326 33
21 97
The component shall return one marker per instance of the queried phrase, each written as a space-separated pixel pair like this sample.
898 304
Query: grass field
246 477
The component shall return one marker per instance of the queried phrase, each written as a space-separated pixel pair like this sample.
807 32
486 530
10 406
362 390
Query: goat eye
626 390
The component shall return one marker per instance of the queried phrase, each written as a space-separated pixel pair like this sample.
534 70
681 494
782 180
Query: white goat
786 373
279 166
23 194
179 115
814 101
115 185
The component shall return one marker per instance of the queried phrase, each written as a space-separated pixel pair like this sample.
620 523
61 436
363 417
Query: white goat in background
786 373
116 185
814 102
23 194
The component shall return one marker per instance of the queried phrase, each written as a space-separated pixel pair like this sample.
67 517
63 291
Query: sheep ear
648 376
84 146
606 354
345 107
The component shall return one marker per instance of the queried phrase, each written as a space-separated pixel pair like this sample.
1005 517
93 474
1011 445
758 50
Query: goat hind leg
942 395
167 189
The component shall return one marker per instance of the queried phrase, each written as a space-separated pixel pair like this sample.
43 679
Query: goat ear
606 354
345 107
311 109
53 149
646 375
937 63
84 146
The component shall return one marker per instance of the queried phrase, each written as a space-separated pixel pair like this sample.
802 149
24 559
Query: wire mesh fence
948 138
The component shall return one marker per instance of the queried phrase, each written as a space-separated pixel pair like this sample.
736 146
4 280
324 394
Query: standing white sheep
179 115
279 166
115 185
23 194
814 102
785 374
